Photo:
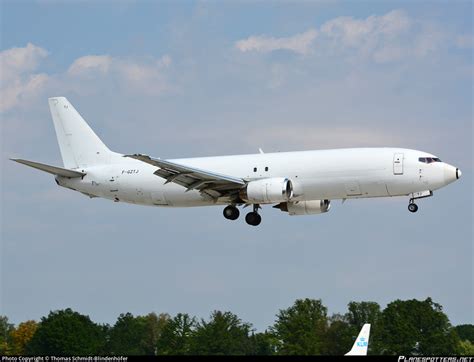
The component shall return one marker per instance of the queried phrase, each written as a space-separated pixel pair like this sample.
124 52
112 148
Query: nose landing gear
412 207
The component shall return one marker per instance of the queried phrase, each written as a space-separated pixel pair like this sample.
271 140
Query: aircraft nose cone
451 173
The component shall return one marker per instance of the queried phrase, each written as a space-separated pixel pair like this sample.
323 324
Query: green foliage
136 335
154 326
224 334
360 313
409 327
466 348
68 333
263 344
415 327
5 329
176 336
339 336
363 312
301 328
465 332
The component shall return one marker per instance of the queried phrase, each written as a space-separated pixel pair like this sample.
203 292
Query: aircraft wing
213 184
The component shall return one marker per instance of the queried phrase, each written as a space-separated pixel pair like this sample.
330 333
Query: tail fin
79 145
362 342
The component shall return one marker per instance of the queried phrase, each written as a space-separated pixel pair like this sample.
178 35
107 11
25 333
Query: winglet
362 342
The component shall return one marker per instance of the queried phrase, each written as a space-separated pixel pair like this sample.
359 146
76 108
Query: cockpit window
429 159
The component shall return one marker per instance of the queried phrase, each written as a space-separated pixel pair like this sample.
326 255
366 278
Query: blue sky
182 79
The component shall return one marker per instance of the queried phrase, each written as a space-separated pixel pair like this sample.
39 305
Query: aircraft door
398 164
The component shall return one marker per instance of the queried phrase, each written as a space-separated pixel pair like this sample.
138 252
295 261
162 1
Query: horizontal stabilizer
58 171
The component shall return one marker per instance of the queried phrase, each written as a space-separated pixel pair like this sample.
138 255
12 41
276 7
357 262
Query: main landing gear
252 218
412 207
231 212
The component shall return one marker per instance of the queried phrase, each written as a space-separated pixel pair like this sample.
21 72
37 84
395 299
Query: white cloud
350 32
17 61
299 43
386 38
144 75
378 37
18 79
21 81
90 63
344 32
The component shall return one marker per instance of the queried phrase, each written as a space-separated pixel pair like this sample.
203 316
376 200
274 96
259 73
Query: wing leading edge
212 184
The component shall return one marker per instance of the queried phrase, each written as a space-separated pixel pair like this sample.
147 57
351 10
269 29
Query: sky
185 79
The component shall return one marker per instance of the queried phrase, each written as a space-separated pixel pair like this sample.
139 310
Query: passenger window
266 168
254 169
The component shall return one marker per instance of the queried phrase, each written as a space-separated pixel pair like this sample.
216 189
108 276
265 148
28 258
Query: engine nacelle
305 207
267 191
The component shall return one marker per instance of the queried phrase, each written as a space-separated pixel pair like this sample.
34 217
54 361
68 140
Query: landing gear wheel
412 207
253 218
231 212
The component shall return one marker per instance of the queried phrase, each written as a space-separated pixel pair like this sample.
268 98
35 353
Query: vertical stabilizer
362 342
79 145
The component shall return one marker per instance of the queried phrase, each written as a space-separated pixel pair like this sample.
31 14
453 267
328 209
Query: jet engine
305 207
267 191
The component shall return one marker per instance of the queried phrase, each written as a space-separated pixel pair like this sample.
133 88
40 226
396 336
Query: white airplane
361 343
299 183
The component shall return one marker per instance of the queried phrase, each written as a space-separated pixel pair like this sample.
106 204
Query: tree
263 344
360 313
68 333
466 335
414 327
465 332
339 336
21 335
5 330
136 335
154 326
363 312
224 334
176 336
301 328
466 348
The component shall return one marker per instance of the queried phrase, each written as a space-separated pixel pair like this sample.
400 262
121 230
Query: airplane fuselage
316 175
299 183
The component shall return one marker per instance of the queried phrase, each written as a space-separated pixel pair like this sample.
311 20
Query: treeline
409 327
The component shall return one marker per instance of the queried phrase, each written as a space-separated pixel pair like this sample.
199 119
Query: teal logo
362 342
